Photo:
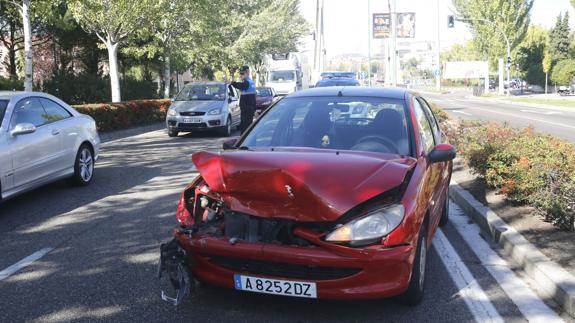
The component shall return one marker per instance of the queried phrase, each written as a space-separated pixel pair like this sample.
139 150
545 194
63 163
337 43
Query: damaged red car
334 193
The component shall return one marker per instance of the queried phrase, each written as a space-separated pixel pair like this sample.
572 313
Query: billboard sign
381 25
405 25
465 70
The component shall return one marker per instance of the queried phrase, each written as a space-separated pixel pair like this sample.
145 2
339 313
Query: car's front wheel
414 293
226 130
172 133
83 166
445 211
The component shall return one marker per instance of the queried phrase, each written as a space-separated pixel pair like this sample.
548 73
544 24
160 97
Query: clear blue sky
346 21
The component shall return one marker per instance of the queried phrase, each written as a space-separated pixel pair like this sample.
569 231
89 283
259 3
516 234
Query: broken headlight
369 228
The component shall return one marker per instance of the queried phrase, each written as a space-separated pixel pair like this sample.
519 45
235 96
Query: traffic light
508 60
450 21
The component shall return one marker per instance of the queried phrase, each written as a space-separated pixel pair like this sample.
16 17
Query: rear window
263 92
342 123
3 105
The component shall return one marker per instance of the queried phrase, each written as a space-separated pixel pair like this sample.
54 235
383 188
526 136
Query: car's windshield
352 123
263 92
202 92
3 105
282 76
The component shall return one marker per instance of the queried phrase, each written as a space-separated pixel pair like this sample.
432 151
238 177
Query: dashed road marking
469 290
528 303
542 112
461 112
23 263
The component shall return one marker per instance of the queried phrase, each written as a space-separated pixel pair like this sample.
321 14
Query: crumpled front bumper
360 273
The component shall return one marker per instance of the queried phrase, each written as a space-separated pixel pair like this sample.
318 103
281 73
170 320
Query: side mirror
22 129
230 143
441 153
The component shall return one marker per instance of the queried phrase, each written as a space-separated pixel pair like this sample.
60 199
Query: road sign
437 72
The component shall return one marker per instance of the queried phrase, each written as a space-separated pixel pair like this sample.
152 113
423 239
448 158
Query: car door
60 120
234 105
35 156
433 172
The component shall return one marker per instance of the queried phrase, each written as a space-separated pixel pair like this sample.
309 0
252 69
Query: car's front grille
284 270
192 125
192 113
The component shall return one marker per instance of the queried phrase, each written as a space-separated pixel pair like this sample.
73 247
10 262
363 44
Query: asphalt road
103 251
558 121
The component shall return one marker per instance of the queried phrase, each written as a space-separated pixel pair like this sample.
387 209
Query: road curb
551 279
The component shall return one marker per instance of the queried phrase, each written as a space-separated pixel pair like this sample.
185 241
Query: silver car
202 106
42 139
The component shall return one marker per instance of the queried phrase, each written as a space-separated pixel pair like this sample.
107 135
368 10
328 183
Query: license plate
275 286
192 120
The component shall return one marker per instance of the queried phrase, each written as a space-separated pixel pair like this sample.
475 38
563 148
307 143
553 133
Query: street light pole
438 53
369 41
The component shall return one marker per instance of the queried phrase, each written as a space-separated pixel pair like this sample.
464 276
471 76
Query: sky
345 21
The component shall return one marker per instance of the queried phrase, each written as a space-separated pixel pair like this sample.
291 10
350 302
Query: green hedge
122 115
526 167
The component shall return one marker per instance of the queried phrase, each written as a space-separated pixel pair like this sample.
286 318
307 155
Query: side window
231 92
425 128
29 110
432 120
54 111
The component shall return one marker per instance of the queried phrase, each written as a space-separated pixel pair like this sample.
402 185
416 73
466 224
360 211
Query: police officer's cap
244 69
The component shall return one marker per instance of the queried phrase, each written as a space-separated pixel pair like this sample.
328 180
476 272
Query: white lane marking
528 303
24 263
541 112
469 290
528 118
462 112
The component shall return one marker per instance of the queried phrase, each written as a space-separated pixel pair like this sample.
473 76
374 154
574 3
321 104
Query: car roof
207 83
385 92
7 95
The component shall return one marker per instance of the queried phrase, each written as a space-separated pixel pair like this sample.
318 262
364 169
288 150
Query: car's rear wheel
445 211
83 166
414 293
172 133
226 130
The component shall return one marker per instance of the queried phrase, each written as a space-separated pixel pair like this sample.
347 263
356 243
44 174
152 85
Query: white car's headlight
172 112
370 227
215 111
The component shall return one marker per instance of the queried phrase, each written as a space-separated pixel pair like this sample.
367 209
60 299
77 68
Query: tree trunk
28 71
167 74
114 77
545 83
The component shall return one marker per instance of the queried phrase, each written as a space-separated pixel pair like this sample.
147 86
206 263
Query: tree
459 52
24 10
113 22
546 64
559 39
531 53
489 19
564 72
275 29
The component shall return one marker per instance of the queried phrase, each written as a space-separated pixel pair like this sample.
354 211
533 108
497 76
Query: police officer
248 97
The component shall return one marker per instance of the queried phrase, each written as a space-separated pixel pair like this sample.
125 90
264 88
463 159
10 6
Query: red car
333 193
265 96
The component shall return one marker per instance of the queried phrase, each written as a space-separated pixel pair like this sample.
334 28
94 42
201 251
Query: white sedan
42 139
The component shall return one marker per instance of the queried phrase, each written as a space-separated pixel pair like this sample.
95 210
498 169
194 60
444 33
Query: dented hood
299 184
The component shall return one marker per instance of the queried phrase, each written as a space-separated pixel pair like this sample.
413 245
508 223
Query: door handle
55 132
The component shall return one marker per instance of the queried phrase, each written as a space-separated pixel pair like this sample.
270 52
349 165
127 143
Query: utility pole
369 19
438 53
393 17
316 39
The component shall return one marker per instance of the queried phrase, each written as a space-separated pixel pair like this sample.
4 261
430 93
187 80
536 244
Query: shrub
84 88
7 84
527 167
122 115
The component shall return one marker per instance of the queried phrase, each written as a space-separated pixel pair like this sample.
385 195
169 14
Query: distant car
264 97
327 75
337 82
42 139
203 106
